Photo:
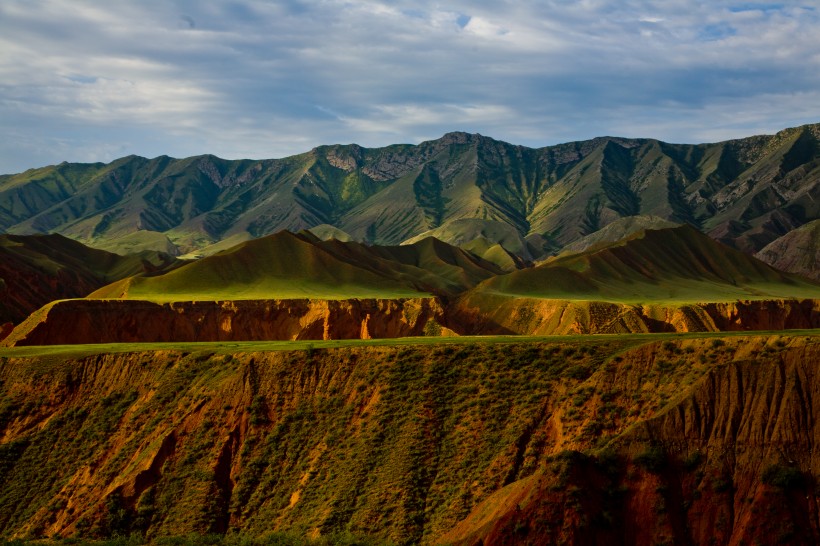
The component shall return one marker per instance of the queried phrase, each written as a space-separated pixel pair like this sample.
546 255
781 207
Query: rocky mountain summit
746 193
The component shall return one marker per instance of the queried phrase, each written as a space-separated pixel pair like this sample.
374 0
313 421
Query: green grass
221 347
668 294
282 266
135 242
679 265
271 289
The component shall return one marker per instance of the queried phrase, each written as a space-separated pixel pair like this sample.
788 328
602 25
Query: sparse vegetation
783 476
653 459
320 435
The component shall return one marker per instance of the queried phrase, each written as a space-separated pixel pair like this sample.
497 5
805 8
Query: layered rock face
531 316
122 321
686 441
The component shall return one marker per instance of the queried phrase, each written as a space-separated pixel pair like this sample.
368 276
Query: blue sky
92 81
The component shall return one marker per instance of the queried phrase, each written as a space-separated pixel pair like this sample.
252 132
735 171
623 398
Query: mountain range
461 188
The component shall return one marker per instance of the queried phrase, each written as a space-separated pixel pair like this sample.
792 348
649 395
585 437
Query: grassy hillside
280 266
746 192
617 230
429 263
652 266
467 231
287 265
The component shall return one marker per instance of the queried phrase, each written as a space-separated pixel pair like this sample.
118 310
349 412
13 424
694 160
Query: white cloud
242 79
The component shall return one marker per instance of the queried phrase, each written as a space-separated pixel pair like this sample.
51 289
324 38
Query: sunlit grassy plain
221 347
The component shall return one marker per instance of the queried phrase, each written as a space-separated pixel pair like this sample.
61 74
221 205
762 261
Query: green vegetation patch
231 347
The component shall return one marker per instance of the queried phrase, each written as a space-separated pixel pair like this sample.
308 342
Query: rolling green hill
287 265
651 266
745 192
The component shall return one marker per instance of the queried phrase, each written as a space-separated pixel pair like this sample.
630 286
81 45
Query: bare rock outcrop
123 321
531 316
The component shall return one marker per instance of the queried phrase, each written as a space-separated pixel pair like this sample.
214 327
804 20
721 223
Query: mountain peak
460 137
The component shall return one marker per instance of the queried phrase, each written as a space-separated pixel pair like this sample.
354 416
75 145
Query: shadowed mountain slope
746 192
37 269
617 230
796 252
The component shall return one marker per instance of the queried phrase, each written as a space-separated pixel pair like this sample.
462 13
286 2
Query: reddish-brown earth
115 321
490 315
605 441
730 461
109 321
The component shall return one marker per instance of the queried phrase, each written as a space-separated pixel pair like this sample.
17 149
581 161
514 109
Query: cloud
186 21
80 81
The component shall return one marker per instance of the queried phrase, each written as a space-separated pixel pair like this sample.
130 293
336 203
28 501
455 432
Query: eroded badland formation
599 441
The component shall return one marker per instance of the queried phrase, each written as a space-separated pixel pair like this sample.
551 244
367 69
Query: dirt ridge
124 321
731 461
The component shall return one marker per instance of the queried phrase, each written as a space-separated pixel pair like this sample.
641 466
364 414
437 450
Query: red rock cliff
531 316
115 321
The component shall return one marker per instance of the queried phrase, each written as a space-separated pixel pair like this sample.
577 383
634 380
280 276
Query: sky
86 81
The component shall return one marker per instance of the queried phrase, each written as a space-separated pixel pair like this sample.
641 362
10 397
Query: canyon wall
730 460
607 441
123 321
489 314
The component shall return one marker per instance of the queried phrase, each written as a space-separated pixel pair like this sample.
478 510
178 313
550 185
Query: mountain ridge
745 192
296 286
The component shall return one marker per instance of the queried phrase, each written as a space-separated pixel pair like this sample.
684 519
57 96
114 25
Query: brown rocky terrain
533 316
127 321
730 461
696 440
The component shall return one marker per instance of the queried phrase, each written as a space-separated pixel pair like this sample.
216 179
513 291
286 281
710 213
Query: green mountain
287 265
651 266
617 230
745 192
37 269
